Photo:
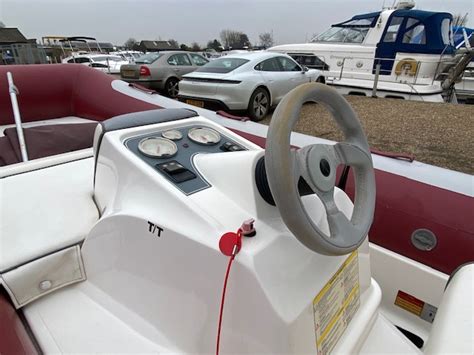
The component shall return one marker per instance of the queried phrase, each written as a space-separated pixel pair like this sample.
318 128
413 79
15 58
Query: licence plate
128 73
195 103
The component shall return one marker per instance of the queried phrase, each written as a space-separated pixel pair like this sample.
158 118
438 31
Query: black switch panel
230 147
176 171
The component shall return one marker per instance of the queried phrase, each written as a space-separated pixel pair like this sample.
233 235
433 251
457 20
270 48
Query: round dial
156 147
172 134
203 135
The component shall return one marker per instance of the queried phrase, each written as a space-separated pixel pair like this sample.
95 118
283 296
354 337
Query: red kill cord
229 244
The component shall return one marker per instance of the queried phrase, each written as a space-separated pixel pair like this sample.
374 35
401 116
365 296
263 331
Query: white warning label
336 304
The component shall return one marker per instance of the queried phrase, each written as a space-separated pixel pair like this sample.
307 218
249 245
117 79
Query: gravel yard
435 133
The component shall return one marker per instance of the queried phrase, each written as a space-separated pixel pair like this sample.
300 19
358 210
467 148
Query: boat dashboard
171 151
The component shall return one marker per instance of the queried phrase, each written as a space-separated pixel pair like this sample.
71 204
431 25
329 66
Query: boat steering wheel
317 164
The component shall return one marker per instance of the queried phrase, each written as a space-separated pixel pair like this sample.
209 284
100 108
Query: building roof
11 35
157 45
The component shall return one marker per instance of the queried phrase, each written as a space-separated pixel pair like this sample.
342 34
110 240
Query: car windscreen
222 65
148 58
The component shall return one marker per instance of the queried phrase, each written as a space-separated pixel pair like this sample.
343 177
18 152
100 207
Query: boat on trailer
119 232
398 52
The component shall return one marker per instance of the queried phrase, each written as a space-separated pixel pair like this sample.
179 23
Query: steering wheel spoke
350 154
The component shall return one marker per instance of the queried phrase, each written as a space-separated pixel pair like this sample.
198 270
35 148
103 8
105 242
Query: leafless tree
130 43
266 39
195 47
234 39
174 43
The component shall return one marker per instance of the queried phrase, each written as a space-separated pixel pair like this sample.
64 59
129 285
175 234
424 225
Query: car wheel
172 87
259 104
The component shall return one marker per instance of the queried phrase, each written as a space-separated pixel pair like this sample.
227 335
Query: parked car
104 62
162 70
253 82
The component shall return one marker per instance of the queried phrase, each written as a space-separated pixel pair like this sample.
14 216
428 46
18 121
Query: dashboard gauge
156 147
204 135
172 134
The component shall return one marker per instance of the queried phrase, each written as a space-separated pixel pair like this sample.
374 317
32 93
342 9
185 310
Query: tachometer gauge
204 135
156 147
172 134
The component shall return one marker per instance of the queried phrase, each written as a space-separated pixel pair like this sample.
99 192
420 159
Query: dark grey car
162 70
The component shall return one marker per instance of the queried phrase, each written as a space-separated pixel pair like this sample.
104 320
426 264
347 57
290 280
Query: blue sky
186 21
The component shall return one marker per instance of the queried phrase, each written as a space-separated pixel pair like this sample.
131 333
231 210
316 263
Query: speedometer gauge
172 134
204 135
156 147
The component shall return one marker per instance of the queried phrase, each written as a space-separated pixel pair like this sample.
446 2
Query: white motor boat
106 63
399 53
127 246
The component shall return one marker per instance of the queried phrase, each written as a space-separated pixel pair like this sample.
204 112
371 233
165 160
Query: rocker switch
173 168
176 171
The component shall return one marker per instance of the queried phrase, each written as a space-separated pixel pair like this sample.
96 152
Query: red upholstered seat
55 91
58 90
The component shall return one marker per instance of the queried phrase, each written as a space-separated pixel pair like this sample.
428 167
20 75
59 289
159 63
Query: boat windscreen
343 34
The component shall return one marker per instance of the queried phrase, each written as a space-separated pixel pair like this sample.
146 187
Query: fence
27 53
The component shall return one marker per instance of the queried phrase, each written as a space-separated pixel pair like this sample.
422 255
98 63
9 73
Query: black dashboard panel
179 168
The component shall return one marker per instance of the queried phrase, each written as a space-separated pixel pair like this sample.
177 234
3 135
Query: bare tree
460 20
195 47
173 43
234 39
266 39
130 43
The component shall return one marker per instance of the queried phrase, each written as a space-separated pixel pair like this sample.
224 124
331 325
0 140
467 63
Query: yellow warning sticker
336 304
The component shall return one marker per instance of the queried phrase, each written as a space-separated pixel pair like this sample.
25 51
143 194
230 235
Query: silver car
251 82
162 70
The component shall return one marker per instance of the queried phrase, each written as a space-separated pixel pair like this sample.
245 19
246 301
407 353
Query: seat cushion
453 328
45 210
46 140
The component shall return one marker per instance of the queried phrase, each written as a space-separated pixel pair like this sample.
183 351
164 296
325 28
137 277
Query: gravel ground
435 133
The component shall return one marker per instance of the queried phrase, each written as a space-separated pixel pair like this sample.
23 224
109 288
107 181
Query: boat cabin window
309 60
415 32
446 32
392 30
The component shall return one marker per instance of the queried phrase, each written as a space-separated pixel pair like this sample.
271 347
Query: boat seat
453 328
46 140
53 121
44 211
